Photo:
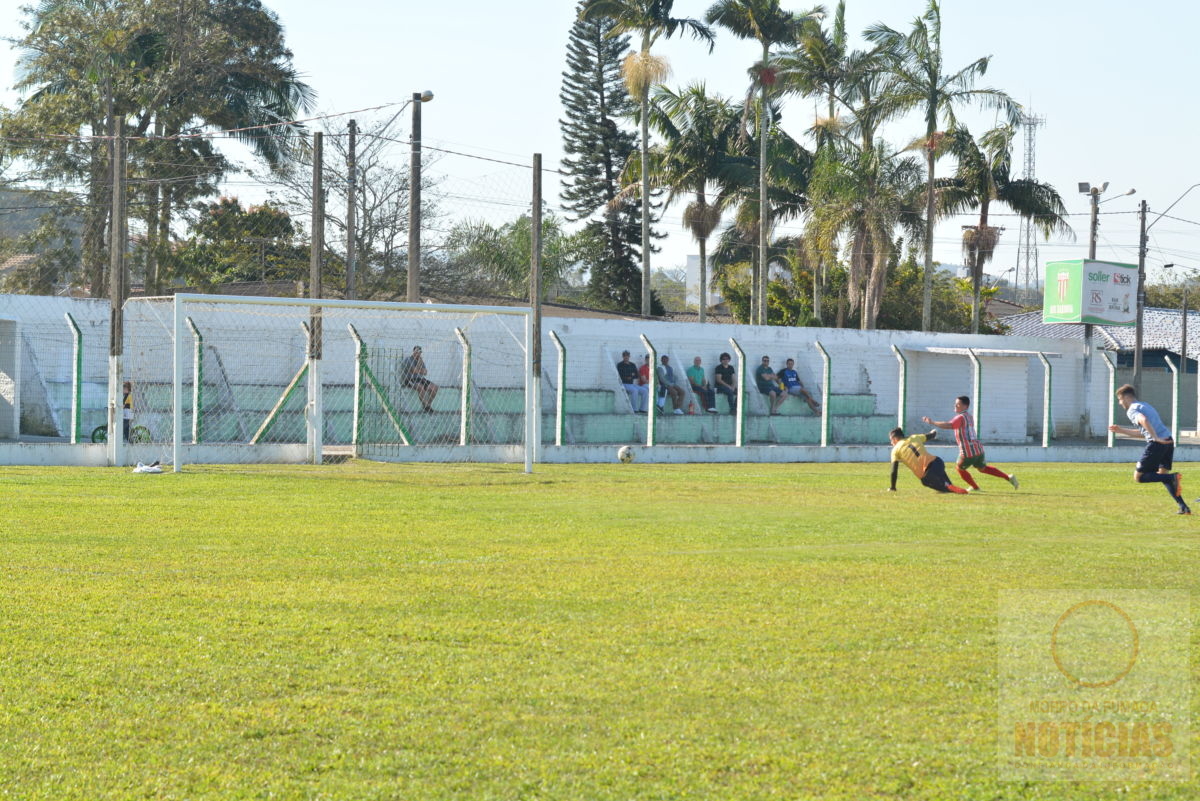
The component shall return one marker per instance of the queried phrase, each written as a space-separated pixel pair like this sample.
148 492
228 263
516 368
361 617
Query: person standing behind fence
701 387
726 381
414 372
630 379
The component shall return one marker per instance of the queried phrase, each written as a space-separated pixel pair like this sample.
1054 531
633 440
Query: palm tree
920 80
787 198
698 133
767 23
650 19
984 176
864 194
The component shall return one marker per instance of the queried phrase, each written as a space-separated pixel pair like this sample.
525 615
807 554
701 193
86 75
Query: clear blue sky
1114 81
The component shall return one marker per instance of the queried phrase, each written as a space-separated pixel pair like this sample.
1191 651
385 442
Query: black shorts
1155 456
935 475
416 382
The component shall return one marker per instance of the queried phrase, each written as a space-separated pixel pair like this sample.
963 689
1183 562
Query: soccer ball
625 454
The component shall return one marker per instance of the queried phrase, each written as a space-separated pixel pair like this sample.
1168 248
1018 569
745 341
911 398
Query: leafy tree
167 68
231 243
497 259
984 176
919 79
950 300
650 19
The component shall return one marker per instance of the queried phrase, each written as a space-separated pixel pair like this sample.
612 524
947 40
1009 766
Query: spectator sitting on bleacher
792 385
667 385
700 386
628 373
726 381
644 371
413 370
768 385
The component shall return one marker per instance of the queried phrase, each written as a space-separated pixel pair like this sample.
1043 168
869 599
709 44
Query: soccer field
368 631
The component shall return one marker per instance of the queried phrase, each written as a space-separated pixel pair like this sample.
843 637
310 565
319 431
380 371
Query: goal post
388 381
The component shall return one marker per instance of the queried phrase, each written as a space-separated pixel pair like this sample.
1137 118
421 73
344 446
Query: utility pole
317 252
534 407
535 267
118 290
1141 296
315 412
414 205
351 209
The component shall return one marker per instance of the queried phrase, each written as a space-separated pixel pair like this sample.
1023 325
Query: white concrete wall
265 345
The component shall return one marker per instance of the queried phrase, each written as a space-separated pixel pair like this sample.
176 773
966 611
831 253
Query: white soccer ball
625 454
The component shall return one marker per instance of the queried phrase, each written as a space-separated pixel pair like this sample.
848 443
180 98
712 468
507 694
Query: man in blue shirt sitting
793 386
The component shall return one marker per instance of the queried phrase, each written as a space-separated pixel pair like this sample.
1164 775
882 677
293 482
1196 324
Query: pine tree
594 99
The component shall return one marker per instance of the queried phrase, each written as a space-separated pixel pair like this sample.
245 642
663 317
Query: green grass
586 632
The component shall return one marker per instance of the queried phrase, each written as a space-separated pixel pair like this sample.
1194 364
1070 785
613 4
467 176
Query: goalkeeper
931 470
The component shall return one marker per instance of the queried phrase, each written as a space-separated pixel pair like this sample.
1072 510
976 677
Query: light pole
1141 294
414 199
1094 192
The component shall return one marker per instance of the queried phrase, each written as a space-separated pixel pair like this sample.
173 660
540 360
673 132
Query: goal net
241 379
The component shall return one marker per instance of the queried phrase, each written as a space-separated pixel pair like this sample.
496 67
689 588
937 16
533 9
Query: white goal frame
314 445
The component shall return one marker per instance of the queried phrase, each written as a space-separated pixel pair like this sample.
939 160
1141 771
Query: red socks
967 478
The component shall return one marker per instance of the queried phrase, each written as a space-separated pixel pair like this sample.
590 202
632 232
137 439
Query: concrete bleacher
593 416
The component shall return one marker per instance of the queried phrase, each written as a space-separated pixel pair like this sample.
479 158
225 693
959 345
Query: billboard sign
1086 291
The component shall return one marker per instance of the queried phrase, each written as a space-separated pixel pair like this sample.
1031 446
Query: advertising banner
1086 291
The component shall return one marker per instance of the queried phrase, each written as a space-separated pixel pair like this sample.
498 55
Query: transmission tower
1027 251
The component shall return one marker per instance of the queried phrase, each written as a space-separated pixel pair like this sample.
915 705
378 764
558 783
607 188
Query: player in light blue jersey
1155 463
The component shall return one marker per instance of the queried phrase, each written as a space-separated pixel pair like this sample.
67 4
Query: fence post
76 380
464 423
977 381
652 391
177 389
902 402
197 380
828 372
1047 400
1112 391
560 415
533 414
1175 378
360 357
739 424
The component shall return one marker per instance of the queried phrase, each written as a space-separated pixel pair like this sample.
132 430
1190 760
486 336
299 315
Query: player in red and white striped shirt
970 449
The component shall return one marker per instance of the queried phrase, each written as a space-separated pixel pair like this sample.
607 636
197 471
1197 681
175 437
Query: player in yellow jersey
931 470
